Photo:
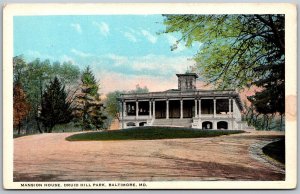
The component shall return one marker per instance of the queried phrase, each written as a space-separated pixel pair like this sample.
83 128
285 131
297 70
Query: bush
69 127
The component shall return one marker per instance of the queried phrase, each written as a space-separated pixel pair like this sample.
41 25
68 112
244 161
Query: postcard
149 96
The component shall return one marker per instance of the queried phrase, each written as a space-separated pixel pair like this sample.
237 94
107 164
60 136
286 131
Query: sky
122 50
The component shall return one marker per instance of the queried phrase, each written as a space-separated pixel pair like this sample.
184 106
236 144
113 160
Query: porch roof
174 93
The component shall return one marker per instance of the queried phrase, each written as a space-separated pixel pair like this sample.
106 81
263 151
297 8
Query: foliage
89 83
55 108
20 105
138 89
88 109
263 121
237 51
19 67
231 45
149 133
35 75
66 127
272 98
112 104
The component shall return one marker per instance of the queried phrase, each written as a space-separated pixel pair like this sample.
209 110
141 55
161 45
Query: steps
186 122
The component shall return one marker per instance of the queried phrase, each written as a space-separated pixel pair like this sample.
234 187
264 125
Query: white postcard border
289 10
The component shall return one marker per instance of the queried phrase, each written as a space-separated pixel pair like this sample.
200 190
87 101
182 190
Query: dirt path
49 157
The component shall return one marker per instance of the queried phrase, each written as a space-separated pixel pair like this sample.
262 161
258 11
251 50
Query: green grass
276 150
149 133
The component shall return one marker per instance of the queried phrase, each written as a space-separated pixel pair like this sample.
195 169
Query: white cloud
66 58
103 28
33 54
118 60
159 65
119 72
77 27
163 63
157 72
149 36
80 53
130 36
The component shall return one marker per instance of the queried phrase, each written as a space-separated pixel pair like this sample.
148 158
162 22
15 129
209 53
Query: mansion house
186 106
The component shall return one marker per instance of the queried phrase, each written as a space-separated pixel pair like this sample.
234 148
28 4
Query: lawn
149 133
276 150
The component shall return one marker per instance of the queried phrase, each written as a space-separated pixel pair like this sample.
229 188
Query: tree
35 75
19 66
55 108
20 105
138 89
238 51
113 105
232 46
88 109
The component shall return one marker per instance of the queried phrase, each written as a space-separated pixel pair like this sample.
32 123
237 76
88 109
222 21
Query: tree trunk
264 123
267 122
19 128
255 120
281 122
26 128
38 125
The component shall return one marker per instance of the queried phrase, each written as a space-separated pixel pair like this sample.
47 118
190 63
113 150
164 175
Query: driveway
49 157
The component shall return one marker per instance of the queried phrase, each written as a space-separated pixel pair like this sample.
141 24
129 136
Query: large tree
55 107
20 105
238 51
232 46
88 109
36 74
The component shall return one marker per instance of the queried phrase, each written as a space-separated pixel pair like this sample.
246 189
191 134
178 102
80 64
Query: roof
187 74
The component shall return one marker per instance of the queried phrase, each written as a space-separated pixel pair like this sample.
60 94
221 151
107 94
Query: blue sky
122 50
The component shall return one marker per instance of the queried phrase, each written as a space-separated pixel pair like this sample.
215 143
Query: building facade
186 106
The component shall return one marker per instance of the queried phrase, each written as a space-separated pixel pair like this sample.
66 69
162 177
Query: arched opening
222 125
130 124
207 125
142 124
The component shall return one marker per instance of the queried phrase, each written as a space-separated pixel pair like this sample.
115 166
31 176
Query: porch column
154 109
181 108
196 108
233 108
230 106
199 113
232 112
150 109
124 108
122 114
167 109
137 109
214 107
